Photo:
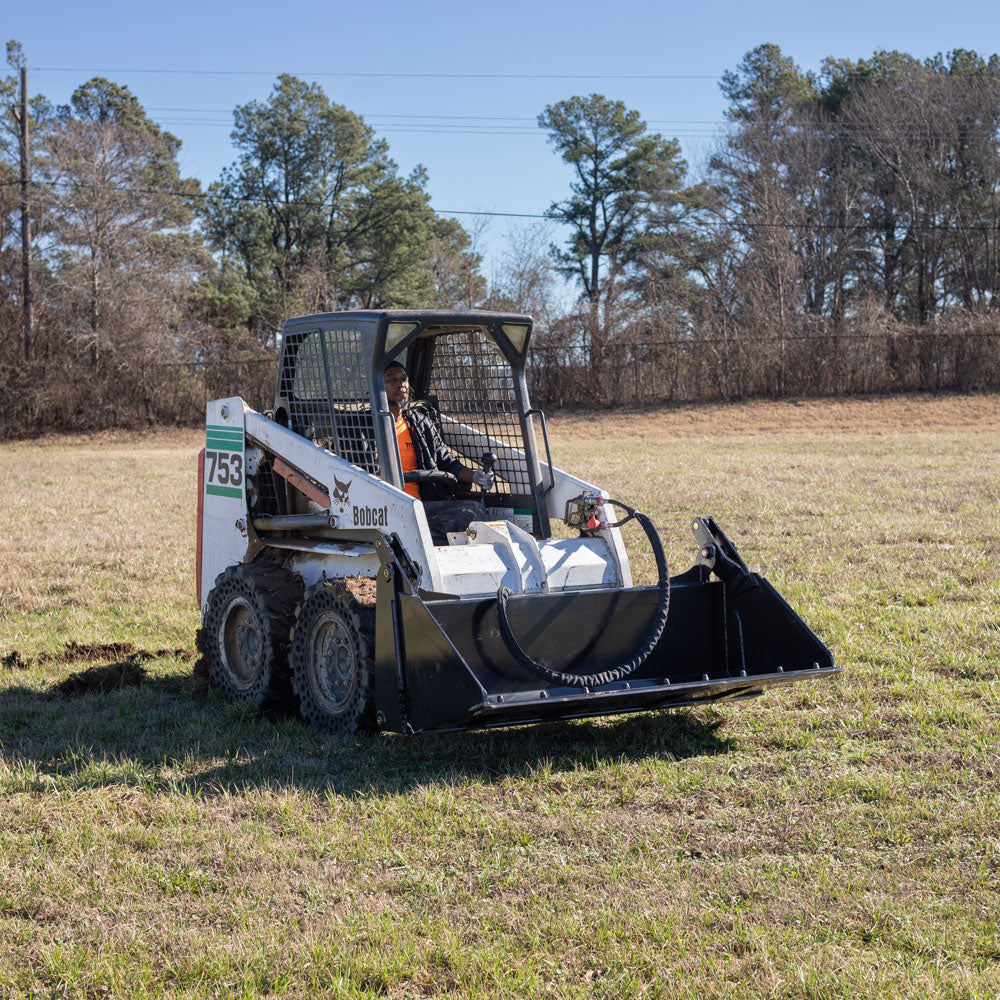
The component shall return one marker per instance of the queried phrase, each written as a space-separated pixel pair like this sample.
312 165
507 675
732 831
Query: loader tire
247 620
333 663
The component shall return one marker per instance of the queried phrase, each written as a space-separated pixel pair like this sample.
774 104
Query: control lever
488 462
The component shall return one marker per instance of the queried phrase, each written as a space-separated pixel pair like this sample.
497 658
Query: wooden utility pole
25 221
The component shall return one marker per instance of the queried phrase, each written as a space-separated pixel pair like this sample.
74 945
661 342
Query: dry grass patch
100 529
825 841
976 413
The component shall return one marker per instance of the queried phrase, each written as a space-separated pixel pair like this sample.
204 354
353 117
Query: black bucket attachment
442 663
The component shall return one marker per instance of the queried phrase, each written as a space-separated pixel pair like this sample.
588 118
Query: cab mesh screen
473 385
326 385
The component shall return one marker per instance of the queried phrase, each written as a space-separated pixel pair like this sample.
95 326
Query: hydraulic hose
622 670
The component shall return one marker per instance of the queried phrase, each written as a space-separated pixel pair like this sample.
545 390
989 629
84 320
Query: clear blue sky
474 131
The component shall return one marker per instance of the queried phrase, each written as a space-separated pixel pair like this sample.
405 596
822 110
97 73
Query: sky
457 87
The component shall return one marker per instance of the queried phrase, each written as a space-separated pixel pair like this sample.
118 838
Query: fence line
714 368
962 356
680 369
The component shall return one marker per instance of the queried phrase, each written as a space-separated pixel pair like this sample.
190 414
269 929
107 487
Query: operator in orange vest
421 447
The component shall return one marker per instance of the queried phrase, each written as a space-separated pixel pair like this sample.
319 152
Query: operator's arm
444 458
447 461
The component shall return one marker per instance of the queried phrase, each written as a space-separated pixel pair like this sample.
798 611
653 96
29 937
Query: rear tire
333 662
247 620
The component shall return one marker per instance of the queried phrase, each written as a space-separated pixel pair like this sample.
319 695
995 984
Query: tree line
843 237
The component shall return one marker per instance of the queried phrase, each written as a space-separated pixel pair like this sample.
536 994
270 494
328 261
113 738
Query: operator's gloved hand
484 480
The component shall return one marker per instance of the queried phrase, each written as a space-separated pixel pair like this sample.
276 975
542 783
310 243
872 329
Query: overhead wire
508 125
478 75
246 200
303 203
694 127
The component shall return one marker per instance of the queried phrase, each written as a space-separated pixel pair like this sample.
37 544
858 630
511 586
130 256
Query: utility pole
25 222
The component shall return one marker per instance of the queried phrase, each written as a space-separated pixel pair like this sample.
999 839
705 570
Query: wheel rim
240 641
334 660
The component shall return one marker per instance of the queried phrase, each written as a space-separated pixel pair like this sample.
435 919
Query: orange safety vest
407 453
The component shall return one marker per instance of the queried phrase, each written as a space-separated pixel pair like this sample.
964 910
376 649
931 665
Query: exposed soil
362 589
79 652
14 660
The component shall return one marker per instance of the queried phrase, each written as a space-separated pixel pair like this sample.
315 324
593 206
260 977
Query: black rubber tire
247 620
333 661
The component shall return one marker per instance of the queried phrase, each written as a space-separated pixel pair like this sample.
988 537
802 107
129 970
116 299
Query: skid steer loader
314 562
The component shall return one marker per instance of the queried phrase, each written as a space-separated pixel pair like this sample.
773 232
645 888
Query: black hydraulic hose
622 670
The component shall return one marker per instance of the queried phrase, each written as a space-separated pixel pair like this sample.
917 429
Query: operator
421 447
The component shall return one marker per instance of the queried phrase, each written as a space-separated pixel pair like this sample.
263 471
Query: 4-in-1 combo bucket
444 664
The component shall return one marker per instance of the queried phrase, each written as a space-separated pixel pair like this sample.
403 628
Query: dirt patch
102 680
14 660
79 652
75 652
363 589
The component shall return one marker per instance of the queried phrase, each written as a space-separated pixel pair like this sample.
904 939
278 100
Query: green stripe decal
223 444
224 491
222 429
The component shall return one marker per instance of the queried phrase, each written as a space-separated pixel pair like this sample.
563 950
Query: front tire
333 663
247 621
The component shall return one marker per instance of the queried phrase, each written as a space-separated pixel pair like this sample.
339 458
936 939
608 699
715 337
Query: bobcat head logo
342 492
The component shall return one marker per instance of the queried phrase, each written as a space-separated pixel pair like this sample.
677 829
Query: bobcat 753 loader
313 560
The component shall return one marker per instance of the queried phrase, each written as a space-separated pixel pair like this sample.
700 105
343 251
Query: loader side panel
224 534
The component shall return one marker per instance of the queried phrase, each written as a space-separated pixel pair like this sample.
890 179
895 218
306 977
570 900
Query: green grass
828 840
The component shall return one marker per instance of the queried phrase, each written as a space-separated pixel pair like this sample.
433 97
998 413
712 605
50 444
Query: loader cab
466 369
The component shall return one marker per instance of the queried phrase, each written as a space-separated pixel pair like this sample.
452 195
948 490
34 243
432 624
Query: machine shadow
374 765
186 739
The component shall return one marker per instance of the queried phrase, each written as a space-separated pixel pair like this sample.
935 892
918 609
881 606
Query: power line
445 127
888 135
367 115
870 124
388 130
747 223
503 118
519 125
407 76
429 130
504 215
247 200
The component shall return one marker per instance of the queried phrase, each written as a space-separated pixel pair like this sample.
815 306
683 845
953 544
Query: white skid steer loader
313 559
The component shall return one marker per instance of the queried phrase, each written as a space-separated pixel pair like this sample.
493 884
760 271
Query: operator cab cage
467 370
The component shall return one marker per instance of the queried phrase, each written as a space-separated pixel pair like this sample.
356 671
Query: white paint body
474 563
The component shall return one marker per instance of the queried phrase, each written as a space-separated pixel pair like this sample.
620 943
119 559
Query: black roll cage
382 341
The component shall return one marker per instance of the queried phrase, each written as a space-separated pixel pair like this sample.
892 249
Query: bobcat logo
341 493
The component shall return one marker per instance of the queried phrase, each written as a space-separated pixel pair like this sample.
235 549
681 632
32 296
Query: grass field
829 840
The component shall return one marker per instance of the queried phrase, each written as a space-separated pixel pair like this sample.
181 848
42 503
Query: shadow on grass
168 733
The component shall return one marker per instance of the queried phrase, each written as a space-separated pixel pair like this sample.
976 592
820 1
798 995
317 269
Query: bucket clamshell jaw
441 663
